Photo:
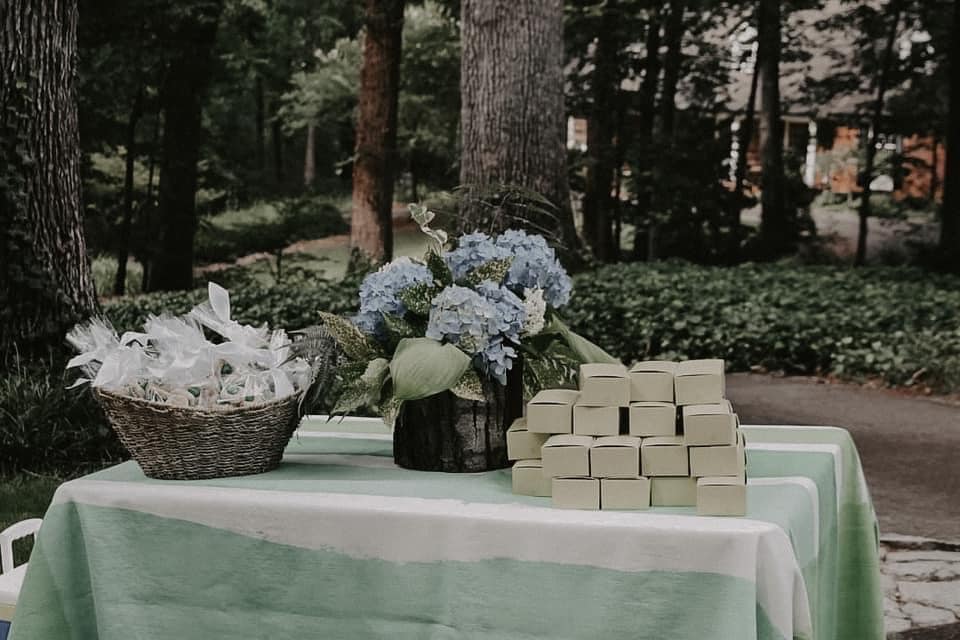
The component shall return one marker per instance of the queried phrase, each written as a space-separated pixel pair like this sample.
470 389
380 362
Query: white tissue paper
172 361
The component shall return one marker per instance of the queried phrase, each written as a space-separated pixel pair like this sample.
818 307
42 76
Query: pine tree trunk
739 200
182 103
259 122
876 119
775 226
310 157
645 239
371 222
605 81
45 280
671 68
513 120
950 211
126 226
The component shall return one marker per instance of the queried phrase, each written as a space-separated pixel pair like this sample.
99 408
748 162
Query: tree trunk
513 120
260 123
276 135
740 173
310 157
775 226
123 250
182 104
447 433
671 68
648 94
876 119
371 223
45 280
146 222
605 84
950 210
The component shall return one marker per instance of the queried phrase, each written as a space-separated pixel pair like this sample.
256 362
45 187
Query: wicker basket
180 443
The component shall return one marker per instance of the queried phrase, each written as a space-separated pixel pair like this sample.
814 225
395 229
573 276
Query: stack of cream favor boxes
660 434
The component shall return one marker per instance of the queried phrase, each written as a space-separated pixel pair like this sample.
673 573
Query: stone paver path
921 584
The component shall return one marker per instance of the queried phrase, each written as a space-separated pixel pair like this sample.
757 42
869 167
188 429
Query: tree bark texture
876 120
375 156
513 120
950 212
601 124
45 280
181 97
775 226
447 433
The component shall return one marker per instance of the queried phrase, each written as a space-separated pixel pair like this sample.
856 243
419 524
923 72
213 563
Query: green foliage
896 324
44 427
105 269
422 367
23 497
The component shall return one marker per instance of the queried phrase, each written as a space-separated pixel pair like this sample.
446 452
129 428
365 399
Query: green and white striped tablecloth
339 543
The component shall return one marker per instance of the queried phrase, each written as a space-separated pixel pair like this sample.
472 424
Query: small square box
673 492
615 457
709 424
604 385
722 496
576 493
596 421
528 479
652 381
653 419
664 456
723 460
699 382
566 455
625 493
521 443
551 411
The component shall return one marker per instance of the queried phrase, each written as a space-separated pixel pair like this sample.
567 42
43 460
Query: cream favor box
551 411
528 479
625 493
722 496
604 385
679 491
722 460
652 419
566 455
576 493
523 444
615 457
699 382
596 421
709 424
652 381
664 456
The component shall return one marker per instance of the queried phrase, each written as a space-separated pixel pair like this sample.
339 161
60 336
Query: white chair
12 577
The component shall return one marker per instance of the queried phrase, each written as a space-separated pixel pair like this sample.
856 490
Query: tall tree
950 212
371 223
644 242
513 120
673 34
191 39
882 81
776 228
45 281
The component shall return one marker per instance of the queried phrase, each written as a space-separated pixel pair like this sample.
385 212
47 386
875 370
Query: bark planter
446 433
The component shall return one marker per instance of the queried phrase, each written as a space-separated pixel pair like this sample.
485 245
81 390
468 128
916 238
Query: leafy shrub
897 324
45 427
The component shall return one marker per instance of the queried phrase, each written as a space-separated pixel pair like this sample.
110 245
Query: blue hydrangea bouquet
458 322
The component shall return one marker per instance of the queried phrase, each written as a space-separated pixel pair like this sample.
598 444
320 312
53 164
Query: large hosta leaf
585 350
422 367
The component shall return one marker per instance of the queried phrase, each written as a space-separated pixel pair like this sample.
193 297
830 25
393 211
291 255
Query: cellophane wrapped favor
173 362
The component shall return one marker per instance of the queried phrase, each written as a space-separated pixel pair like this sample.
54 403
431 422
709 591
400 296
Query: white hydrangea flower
536 308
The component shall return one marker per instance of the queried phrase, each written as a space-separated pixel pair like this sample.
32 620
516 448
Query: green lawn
25 496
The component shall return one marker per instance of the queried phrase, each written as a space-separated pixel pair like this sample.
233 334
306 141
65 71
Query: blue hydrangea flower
482 322
379 291
535 265
473 250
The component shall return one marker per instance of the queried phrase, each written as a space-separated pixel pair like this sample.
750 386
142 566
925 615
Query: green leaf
417 298
585 350
469 387
376 374
495 271
354 396
422 367
397 327
354 343
439 269
389 410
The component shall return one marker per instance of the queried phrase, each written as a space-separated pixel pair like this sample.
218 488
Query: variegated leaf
495 271
352 341
469 387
